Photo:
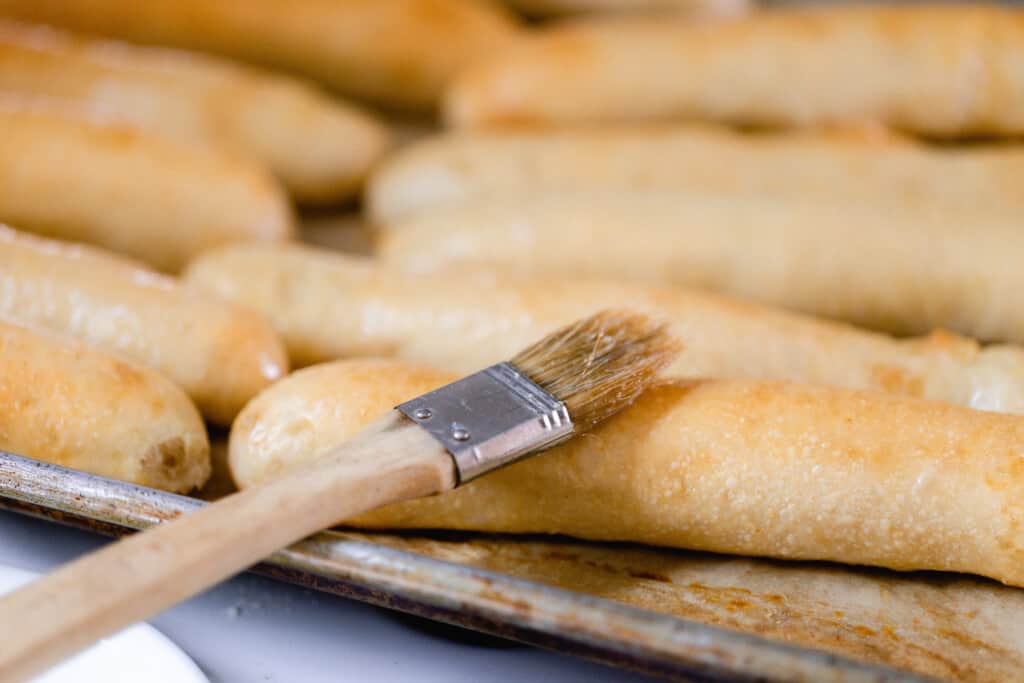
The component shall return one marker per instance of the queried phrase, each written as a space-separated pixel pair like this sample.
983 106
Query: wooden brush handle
136 577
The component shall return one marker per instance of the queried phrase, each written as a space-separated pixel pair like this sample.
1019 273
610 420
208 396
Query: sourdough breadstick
319 148
731 466
63 402
554 8
220 353
933 69
454 168
131 192
902 269
395 52
328 305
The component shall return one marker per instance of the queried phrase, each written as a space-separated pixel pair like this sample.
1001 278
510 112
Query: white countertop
255 629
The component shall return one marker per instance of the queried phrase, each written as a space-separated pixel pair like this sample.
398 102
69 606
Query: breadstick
328 305
319 148
701 8
398 53
731 466
472 166
131 192
65 403
901 269
220 353
937 70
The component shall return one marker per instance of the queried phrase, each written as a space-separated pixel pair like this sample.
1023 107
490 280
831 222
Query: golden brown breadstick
933 69
455 168
220 353
319 148
328 305
397 52
65 403
554 8
131 192
732 466
903 269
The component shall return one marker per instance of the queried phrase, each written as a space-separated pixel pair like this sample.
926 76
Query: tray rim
554 618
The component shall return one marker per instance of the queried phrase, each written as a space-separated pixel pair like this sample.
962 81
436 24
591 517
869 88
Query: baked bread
744 467
396 53
220 353
327 305
65 403
67 177
939 70
893 267
858 166
319 148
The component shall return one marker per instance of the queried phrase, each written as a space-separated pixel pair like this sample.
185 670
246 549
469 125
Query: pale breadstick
701 8
220 353
732 466
328 305
454 168
902 269
318 147
131 192
66 403
398 53
933 69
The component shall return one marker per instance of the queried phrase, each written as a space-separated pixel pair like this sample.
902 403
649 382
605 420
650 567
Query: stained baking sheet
687 616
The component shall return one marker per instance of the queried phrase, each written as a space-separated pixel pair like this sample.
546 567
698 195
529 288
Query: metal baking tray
682 615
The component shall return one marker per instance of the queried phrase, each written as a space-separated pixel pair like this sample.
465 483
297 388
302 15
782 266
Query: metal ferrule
490 418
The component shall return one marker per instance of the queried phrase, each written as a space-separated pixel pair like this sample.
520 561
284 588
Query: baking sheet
687 616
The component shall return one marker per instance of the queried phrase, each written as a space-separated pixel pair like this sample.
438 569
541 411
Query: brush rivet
460 434
422 414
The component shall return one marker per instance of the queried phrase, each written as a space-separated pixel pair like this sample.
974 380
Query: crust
221 354
319 147
65 403
447 170
398 54
734 466
129 191
933 69
328 305
898 268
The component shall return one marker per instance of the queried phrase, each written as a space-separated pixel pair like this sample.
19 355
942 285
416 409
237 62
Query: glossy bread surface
319 147
328 305
63 402
944 70
398 53
733 466
219 352
64 176
859 166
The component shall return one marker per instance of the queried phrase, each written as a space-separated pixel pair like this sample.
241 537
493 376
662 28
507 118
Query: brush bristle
599 365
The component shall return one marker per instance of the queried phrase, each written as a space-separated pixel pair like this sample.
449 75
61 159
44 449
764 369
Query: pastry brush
559 387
